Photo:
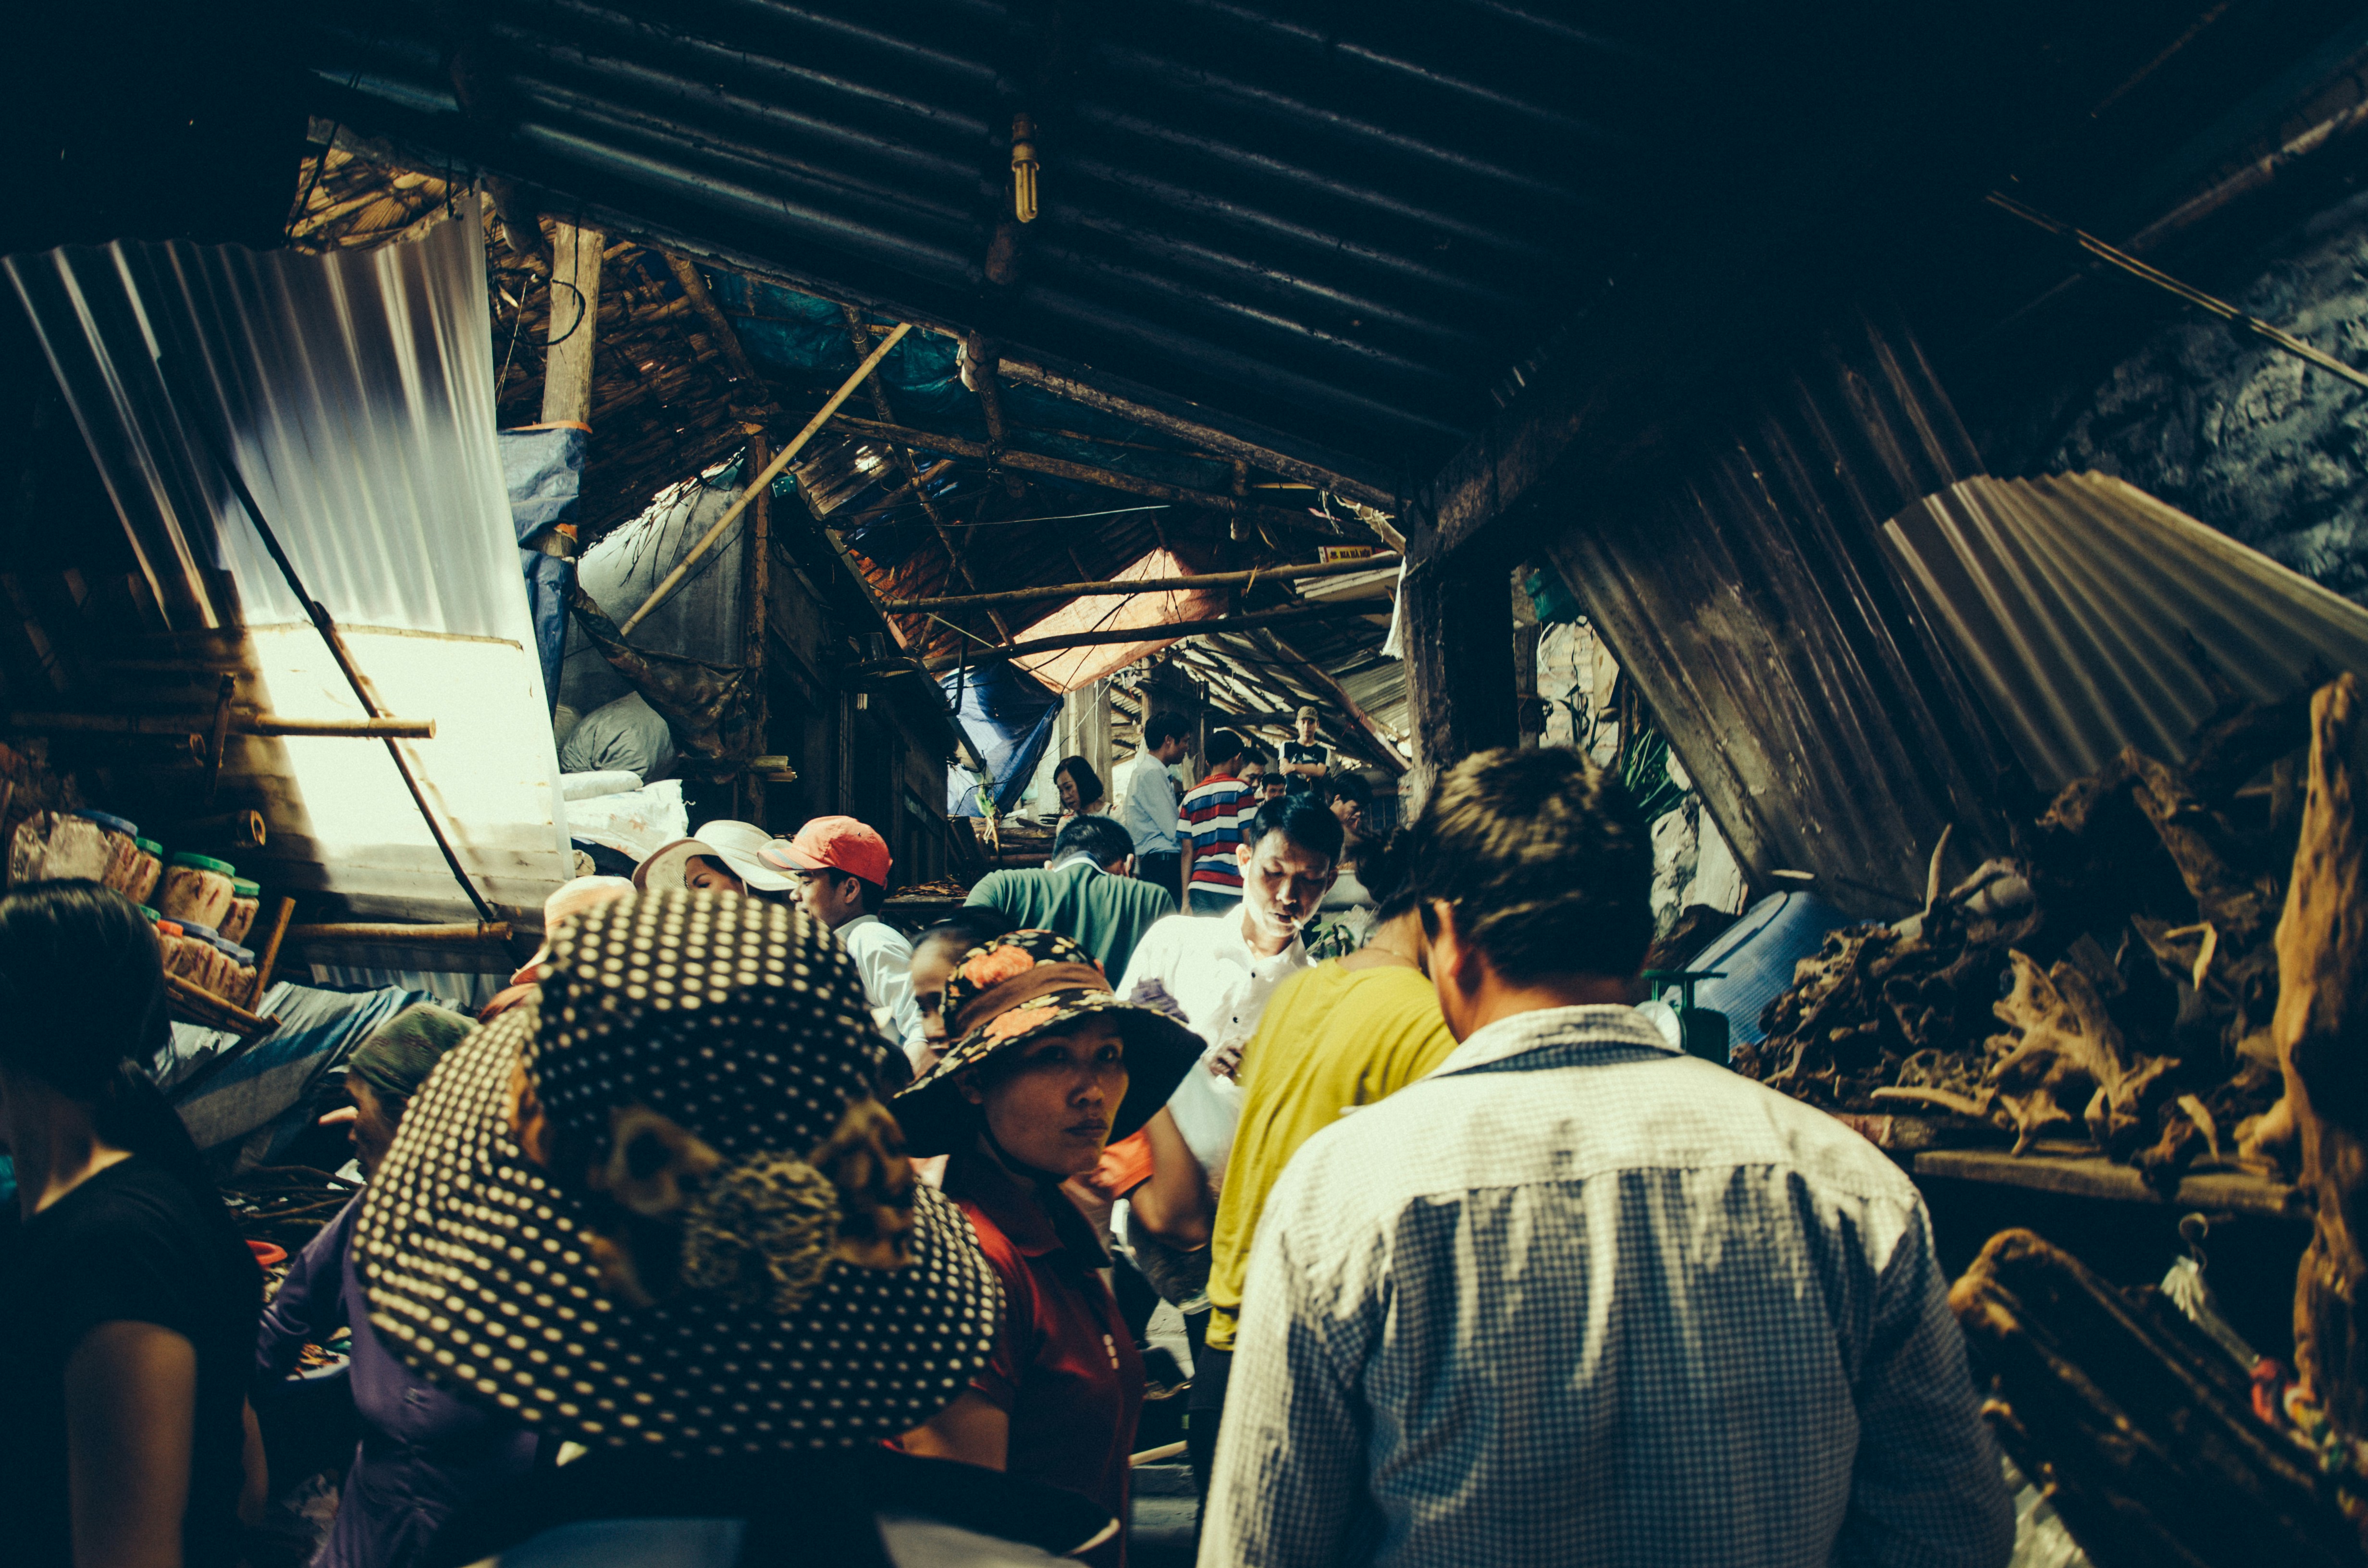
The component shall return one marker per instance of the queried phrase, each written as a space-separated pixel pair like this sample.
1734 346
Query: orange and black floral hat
1008 992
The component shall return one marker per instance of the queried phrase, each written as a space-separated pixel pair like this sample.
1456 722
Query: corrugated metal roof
1345 220
1743 589
2078 605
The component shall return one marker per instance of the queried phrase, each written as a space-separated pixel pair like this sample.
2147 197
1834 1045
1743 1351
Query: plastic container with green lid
152 916
122 851
147 869
245 899
199 888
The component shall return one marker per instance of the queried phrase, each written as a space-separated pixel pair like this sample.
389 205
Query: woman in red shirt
1047 1067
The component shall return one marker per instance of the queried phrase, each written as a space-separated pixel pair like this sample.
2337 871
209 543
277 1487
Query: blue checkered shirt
1575 1297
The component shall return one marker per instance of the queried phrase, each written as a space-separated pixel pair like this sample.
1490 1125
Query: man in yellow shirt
1339 1036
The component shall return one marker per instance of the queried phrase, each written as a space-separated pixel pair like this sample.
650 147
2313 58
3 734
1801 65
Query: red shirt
1064 1367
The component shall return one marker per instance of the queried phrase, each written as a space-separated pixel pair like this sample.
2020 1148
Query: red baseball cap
837 844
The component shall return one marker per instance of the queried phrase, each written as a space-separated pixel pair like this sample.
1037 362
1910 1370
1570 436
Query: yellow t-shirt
1329 1039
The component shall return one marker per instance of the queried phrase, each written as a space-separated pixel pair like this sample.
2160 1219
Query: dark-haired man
1209 827
937 952
1576 1296
1219 973
1149 812
1084 893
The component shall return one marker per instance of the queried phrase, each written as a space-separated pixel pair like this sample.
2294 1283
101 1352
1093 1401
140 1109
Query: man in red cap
841 869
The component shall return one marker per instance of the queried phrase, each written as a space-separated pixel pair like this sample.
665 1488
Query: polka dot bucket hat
659 1208
1008 992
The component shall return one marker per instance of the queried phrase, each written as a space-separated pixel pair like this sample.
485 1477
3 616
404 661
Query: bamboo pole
271 956
764 481
694 288
442 934
1076 472
197 999
760 560
1169 633
372 729
1114 588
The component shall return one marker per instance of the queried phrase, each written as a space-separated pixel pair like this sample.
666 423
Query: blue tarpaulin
1009 717
543 467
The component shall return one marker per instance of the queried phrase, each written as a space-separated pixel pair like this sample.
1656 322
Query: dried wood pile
2139 1428
2113 979
2155 1440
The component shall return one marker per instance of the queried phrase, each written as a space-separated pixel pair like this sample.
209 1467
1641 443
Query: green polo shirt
1104 914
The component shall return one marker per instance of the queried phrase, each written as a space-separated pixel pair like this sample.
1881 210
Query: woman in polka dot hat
1046 1067
656 1212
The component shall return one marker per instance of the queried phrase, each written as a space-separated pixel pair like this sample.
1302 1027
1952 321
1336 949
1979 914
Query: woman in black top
127 1299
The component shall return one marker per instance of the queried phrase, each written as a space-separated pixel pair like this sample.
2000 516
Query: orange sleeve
1125 1165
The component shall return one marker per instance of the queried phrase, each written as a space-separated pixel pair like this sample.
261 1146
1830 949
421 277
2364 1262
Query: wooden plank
2093 1176
1113 588
1458 635
567 365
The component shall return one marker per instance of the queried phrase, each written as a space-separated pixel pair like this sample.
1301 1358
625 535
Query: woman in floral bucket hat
1046 1067
656 1212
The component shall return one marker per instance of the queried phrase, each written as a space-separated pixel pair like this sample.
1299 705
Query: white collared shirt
1208 967
1577 1296
885 960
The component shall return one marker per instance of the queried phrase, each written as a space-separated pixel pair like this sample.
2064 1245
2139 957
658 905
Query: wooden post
1462 696
567 371
270 958
760 556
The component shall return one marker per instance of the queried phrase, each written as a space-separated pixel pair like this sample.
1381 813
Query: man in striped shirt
1209 828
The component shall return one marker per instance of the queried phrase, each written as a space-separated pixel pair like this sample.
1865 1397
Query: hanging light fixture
1023 168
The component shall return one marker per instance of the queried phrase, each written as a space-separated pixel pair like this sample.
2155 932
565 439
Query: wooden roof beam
1116 587
1076 472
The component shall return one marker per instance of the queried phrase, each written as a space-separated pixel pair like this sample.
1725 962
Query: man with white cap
841 868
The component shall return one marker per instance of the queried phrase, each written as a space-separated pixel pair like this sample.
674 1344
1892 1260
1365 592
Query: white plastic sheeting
2068 601
355 391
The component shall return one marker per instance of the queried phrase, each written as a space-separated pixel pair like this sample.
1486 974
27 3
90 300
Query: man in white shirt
841 868
1576 1296
1220 971
1149 812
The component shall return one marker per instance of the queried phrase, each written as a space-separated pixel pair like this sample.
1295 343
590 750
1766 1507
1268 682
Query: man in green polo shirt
1084 893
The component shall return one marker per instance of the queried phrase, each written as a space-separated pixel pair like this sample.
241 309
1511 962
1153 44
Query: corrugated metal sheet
1741 586
356 395
2070 601
1345 220
1068 669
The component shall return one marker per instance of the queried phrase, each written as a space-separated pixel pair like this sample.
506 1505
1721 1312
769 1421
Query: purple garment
424 1452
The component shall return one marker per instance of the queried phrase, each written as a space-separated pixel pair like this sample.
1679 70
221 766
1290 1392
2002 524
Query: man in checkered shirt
1576 1297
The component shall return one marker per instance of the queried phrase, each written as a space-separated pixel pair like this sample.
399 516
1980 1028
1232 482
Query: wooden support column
1460 689
567 371
760 558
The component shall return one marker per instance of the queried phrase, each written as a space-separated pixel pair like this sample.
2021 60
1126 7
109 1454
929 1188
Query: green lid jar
150 846
152 915
204 863
245 889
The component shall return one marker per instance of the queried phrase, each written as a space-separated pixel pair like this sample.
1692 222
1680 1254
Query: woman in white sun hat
723 856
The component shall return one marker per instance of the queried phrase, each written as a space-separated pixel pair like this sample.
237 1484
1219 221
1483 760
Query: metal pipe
772 470
1288 571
